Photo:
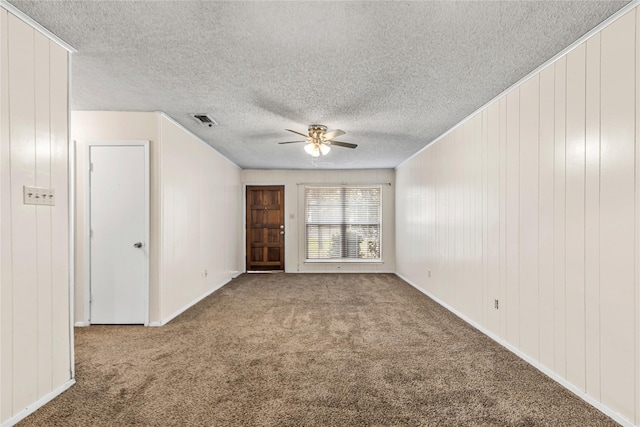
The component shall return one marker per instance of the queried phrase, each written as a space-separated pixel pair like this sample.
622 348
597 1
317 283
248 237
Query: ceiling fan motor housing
316 132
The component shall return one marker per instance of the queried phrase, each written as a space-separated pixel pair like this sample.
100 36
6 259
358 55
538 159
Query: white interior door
119 226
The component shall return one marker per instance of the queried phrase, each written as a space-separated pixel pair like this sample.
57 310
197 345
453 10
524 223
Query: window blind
343 223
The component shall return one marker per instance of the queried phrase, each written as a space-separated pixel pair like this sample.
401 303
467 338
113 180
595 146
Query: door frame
244 216
87 221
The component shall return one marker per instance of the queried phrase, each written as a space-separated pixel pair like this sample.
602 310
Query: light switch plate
39 196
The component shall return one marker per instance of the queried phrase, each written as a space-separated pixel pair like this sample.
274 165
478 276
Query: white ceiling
393 75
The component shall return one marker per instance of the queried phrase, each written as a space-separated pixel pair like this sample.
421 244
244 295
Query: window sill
343 261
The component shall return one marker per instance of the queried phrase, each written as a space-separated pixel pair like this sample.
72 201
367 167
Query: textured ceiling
393 75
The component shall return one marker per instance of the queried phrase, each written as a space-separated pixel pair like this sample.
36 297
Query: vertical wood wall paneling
575 171
546 172
208 198
410 254
411 208
441 223
448 213
559 218
196 232
218 197
400 206
432 282
43 214
232 236
22 125
457 269
195 221
180 266
512 305
425 208
493 243
460 267
592 217
464 298
484 217
502 313
229 234
417 217
430 220
432 228
479 288
637 221
60 213
156 222
6 291
617 216
413 217
169 197
528 218
565 169
450 220
447 235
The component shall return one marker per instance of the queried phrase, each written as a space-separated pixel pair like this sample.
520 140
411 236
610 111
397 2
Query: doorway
118 215
265 227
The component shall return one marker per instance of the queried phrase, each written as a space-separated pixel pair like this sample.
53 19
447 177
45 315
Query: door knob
137 245
282 232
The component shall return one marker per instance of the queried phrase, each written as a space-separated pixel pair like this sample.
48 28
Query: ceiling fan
319 141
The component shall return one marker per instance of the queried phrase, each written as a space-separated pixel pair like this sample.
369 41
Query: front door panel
265 228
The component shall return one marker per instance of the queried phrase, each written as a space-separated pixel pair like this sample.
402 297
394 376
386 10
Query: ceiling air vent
204 119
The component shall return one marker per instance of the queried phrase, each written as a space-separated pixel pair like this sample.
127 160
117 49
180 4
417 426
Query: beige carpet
308 350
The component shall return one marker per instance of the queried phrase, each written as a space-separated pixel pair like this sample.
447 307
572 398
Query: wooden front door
265 227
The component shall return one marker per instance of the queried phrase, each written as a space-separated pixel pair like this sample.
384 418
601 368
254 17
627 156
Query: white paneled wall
201 220
195 210
35 350
294 181
534 201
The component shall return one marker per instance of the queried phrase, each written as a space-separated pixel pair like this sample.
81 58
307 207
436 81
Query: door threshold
264 271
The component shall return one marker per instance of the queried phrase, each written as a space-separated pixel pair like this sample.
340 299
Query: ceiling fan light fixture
312 149
317 149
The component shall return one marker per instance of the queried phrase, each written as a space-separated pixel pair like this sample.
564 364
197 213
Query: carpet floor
308 350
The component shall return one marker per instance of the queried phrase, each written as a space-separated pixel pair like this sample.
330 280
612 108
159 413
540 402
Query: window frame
378 260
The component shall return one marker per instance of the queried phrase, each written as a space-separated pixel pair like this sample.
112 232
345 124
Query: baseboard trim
341 271
194 302
81 324
563 382
37 404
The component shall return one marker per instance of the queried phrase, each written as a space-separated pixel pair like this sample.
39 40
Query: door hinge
90 167
91 234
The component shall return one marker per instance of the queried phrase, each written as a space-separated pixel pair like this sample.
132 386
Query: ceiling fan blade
290 142
333 134
341 144
301 134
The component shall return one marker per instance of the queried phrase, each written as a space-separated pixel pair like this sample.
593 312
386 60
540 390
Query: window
343 223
